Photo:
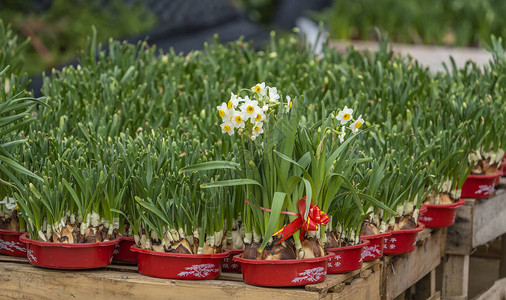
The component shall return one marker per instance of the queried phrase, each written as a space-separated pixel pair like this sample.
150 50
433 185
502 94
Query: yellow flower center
258 118
346 116
230 104
226 128
358 125
258 88
16 208
256 129
222 113
250 109
238 119
290 104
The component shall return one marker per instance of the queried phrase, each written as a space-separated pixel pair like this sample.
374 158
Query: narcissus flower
222 109
260 116
9 203
250 108
289 103
273 94
227 128
238 119
234 101
258 128
357 124
345 115
259 88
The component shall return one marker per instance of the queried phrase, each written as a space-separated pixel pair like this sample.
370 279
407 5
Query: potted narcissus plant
16 112
180 228
486 157
403 190
265 126
68 216
448 165
332 159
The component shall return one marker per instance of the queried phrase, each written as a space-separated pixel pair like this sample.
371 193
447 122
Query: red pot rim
26 240
10 232
375 236
484 177
361 245
452 205
422 209
134 248
419 228
283 262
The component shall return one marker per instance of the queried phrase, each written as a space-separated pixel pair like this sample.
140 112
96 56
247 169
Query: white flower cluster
250 114
346 115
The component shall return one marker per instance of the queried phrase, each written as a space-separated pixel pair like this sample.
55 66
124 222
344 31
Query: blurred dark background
58 28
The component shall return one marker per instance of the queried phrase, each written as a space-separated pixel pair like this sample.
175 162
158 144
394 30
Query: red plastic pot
479 186
374 249
502 169
401 241
179 266
69 256
439 215
346 259
292 272
229 265
10 243
122 252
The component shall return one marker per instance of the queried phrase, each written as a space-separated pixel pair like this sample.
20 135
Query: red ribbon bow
314 217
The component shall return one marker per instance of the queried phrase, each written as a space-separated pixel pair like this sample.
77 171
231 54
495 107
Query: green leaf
211 165
277 204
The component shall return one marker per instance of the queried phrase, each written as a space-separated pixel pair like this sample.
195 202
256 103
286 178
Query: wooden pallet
403 272
381 279
21 280
478 222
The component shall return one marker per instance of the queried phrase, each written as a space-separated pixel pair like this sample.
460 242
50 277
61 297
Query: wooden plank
365 287
456 276
458 239
335 279
436 296
496 292
489 221
29 282
402 272
502 264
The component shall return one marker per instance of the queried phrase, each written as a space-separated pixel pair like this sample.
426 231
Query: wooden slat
365 287
489 221
456 276
334 279
458 238
29 282
402 272
436 296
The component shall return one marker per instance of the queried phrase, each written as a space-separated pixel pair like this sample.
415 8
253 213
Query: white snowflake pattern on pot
371 251
485 189
225 266
234 266
30 256
390 243
11 246
199 271
424 218
311 275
